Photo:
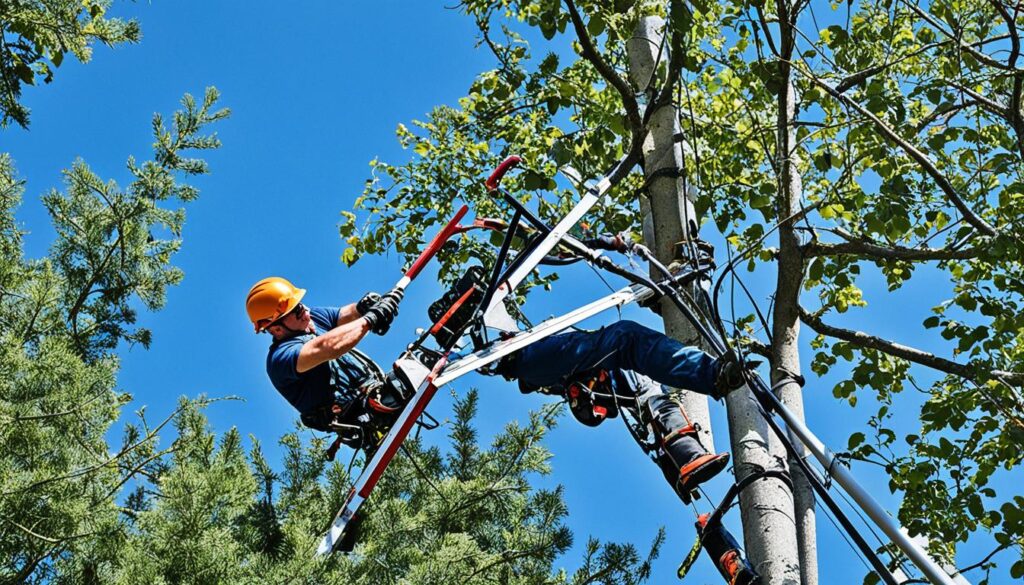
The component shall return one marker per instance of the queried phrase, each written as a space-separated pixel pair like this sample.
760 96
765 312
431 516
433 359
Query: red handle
490 224
495 178
435 244
483 223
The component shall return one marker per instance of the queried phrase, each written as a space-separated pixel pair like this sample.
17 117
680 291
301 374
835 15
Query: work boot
725 552
682 458
698 471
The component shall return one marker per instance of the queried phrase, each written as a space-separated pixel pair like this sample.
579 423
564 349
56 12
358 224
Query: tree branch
863 247
855 79
985 102
606 70
1015 118
908 353
945 109
87 470
79 407
969 47
675 64
859 77
919 157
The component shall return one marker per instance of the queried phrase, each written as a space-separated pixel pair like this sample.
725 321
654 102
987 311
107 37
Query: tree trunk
767 505
668 216
786 317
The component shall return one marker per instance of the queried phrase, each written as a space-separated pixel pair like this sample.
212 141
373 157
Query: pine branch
508 556
130 472
48 539
78 408
87 470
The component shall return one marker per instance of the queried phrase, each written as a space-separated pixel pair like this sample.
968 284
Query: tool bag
453 311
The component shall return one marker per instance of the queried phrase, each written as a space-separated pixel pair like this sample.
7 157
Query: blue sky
317 90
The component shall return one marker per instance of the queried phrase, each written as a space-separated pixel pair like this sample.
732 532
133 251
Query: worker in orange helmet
313 363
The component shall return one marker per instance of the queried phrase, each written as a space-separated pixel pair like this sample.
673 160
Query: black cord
733 261
618 308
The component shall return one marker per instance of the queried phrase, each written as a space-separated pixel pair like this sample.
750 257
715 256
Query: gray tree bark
786 315
668 215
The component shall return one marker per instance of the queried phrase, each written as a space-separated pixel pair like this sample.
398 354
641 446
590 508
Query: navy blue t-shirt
313 388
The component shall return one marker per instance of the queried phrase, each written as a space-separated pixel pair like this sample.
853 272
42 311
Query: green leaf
25 73
823 161
349 256
855 441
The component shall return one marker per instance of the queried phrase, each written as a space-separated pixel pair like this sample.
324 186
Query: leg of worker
683 459
624 345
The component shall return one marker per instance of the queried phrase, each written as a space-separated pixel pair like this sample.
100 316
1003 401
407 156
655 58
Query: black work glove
383 312
367 302
730 373
396 293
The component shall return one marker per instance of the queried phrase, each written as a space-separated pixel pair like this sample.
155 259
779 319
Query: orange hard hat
270 299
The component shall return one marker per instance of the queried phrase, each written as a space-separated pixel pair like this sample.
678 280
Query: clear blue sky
316 90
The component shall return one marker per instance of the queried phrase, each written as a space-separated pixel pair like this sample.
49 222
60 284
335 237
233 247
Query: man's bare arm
348 314
332 344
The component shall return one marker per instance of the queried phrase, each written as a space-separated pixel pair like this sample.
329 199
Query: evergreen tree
62 318
465 514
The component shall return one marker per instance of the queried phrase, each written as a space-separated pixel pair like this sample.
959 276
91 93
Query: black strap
669 172
738 487
788 378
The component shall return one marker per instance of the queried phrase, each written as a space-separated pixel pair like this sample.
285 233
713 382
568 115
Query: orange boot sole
699 471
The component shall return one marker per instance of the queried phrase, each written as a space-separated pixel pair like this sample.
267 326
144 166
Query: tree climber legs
658 359
683 459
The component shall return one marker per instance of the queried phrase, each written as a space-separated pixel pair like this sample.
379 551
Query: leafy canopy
38 35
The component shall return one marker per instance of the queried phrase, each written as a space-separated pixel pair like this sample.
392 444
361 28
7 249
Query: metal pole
872 508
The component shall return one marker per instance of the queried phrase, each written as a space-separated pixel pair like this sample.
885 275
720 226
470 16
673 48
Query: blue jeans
625 345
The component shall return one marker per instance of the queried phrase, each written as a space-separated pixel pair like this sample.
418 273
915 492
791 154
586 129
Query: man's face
298 319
